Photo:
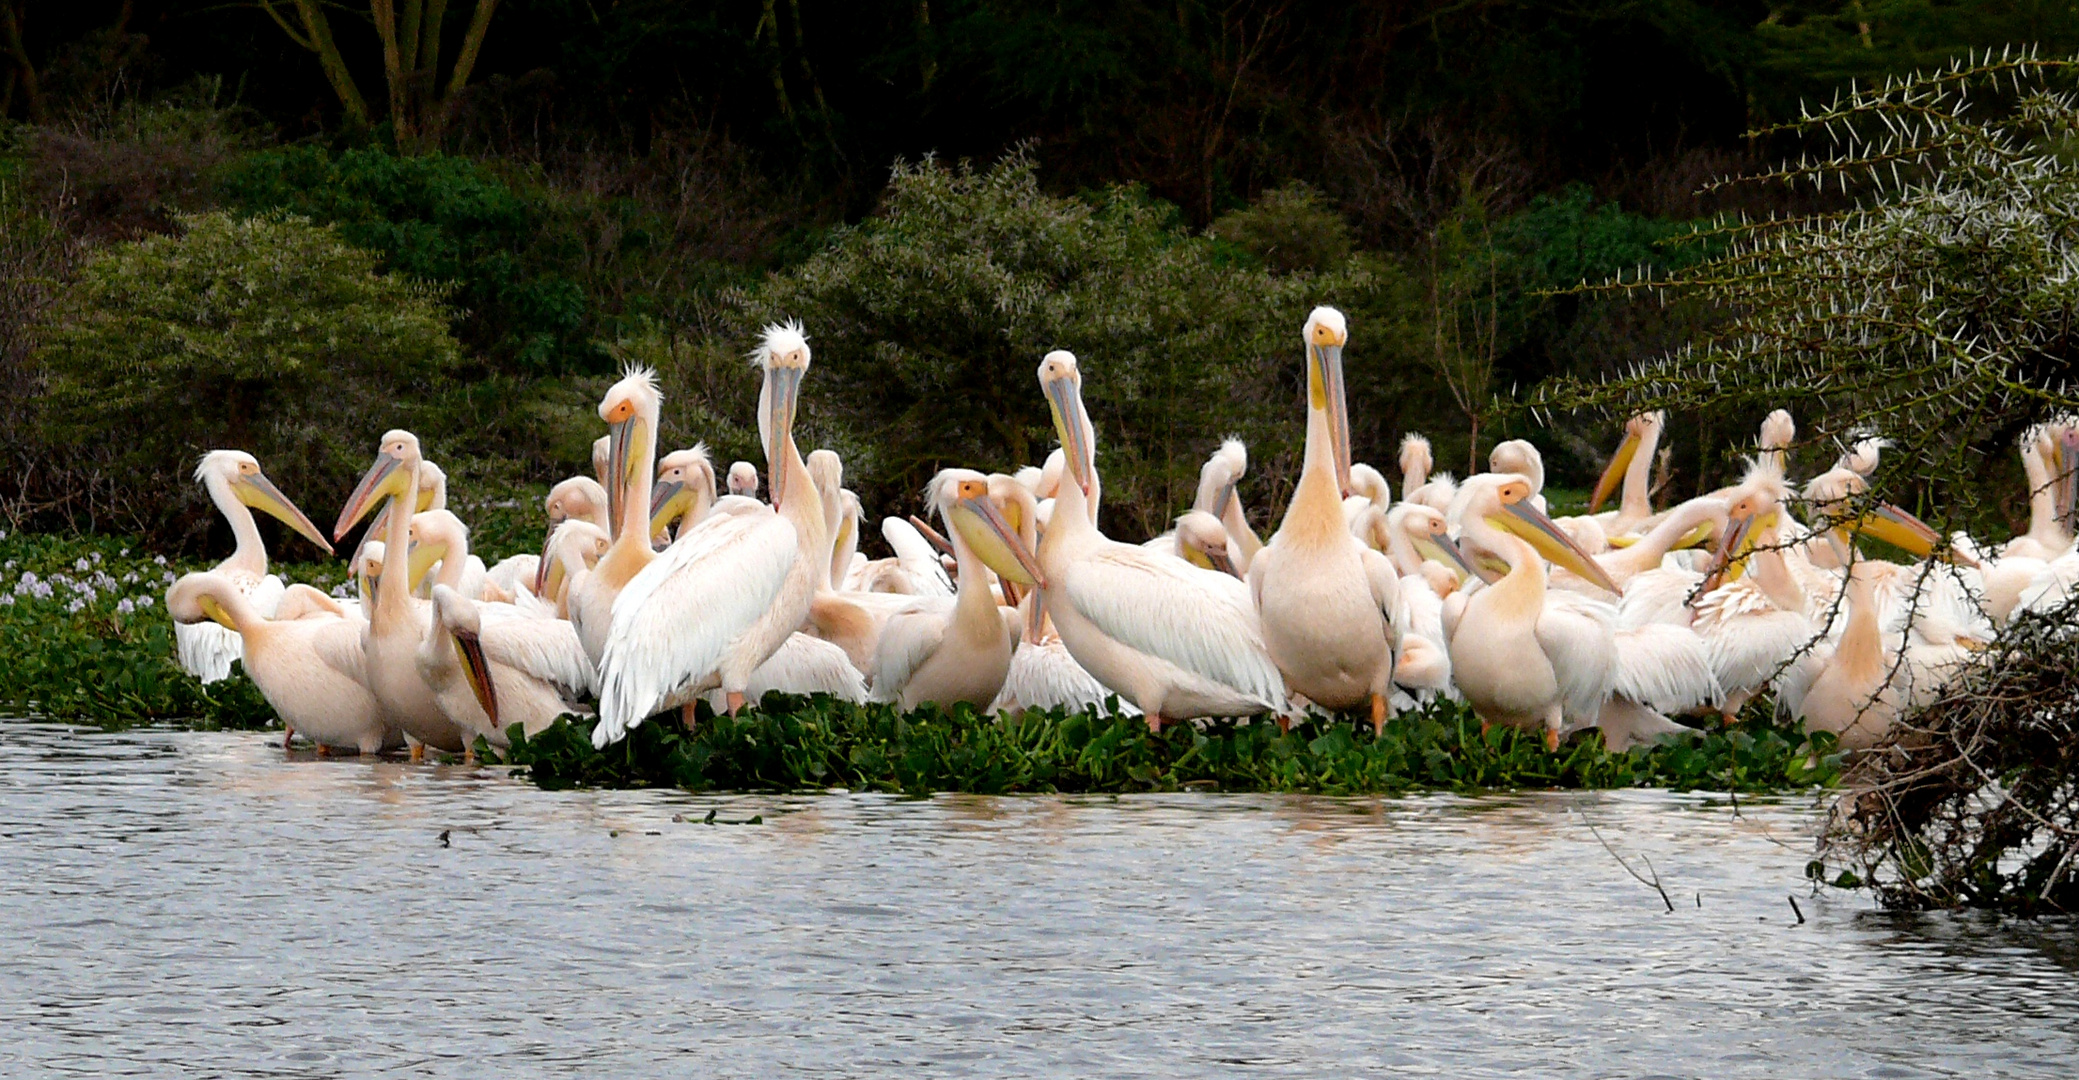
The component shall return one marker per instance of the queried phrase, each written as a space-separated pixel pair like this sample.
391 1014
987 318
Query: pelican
1862 456
1845 686
1326 600
1552 661
725 596
950 649
602 455
493 665
1418 483
396 623
1632 467
1177 641
574 548
1218 479
1416 540
311 670
237 486
743 479
685 491
631 408
577 497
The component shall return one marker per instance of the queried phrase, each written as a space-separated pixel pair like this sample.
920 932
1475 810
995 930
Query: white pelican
743 479
1632 468
577 497
958 648
311 669
1862 456
1416 540
574 548
602 453
685 491
2023 565
1217 482
1554 661
493 665
1177 641
1845 685
237 486
396 621
1418 483
630 408
725 596
1326 600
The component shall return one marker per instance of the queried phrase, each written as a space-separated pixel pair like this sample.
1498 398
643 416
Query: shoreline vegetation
90 643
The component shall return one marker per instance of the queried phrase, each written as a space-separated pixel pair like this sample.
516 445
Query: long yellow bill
1895 526
260 493
471 651
1072 426
1524 520
382 478
1613 474
994 541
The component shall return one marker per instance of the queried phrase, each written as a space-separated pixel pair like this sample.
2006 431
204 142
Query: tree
266 334
410 34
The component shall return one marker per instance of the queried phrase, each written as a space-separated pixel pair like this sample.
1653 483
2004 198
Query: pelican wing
1666 668
809 665
544 649
1199 620
917 558
342 645
908 638
266 594
1385 585
676 618
1578 636
206 649
515 573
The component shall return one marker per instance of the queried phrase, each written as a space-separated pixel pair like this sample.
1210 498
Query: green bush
267 334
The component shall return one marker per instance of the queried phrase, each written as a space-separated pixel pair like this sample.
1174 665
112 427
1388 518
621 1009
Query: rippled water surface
205 904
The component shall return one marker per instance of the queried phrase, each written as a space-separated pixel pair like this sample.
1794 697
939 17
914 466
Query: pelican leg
686 716
1484 725
1552 739
1378 714
1734 702
418 749
1554 721
1284 723
736 702
288 733
323 750
469 753
1154 723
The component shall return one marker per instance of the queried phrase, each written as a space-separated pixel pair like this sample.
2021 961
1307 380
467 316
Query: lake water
187 903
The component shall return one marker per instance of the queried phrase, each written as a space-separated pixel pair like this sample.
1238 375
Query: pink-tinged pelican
493 665
630 408
1326 600
1845 686
1519 660
578 497
1632 468
1177 641
685 492
1218 480
397 620
574 548
311 669
958 648
724 597
1419 484
237 487
743 479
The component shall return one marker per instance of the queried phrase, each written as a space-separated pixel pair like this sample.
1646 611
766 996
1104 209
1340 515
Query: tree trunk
12 15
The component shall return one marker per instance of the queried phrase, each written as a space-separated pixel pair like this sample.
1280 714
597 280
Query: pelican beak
1970 644
982 525
421 561
471 651
1325 392
1441 548
552 582
1894 526
260 493
541 565
1613 475
782 394
1223 500
1525 521
1218 560
217 614
382 478
2067 475
620 465
937 539
672 500
1072 425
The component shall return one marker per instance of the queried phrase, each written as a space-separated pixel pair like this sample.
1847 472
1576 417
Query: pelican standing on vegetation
1326 600
630 408
237 487
723 598
1178 641
396 621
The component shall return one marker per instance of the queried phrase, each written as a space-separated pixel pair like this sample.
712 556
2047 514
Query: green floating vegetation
794 743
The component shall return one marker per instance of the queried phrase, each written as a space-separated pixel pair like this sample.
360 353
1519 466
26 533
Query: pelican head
783 355
685 488
1638 431
202 597
1220 474
1752 516
1862 455
368 569
239 473
1062 381
1521 457
1832 491
1202 542
1502 501
575 544
962 498
577 497
394 475
630 410
1326 335
1416 460
433 487
743 479
1429 531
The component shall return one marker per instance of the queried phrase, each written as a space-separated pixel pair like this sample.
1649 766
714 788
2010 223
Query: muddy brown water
179 903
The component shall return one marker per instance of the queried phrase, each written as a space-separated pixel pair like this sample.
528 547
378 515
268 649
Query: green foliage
89 640
1289 228
441 219
789 744
929 320
267 334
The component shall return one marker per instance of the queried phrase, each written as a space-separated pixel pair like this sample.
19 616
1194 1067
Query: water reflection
206 903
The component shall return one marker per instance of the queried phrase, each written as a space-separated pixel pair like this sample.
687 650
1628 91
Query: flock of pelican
654 590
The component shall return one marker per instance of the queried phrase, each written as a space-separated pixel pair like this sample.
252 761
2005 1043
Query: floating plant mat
793 743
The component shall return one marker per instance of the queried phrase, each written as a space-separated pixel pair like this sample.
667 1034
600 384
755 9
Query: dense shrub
267 334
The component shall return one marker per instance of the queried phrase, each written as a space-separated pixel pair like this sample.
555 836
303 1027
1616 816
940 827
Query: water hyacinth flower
126 607
147 600
75 605
159 559
82 565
